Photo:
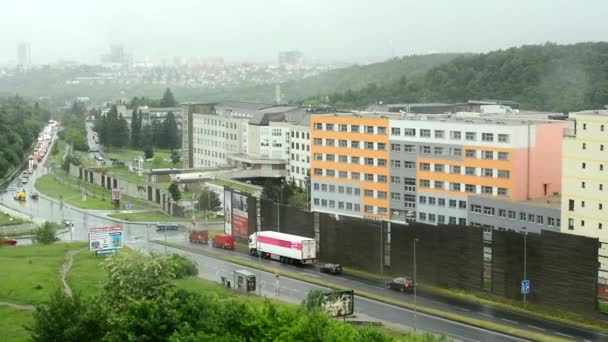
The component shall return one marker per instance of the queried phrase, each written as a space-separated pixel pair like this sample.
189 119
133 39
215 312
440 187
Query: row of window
369 209
368 145
471 188
572 204
584 166
296 157
296 134
513 215
584 146
381 130
441 219
219 123
296 169
339 188
453 151
368 177
353 159
469 171
442 202
585 127
454 135
600 225
296 146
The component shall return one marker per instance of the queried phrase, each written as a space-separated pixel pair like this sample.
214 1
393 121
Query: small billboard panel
339 303
240 214
105 238
228 211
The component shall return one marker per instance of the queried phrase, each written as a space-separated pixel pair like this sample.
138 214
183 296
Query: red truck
224 241
199 236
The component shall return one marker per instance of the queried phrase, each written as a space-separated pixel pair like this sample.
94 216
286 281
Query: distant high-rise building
23 54
290 57
117 55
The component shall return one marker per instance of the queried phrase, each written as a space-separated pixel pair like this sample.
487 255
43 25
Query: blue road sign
128 205
525 287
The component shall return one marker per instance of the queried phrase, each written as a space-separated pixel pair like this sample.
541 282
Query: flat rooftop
551 201
593 112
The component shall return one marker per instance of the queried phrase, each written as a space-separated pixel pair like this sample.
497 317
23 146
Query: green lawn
57 159
159 216
13 322
31 273
6 219
70 193
234 185
129 155
85 159
87 274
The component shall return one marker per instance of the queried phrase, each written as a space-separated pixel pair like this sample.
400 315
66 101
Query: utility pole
415 286
525 262
279 208
257 241
148 236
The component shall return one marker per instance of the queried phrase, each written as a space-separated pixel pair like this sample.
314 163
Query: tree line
548 77
20 124
134 306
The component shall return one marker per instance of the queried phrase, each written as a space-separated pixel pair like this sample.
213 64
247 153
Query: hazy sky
257 29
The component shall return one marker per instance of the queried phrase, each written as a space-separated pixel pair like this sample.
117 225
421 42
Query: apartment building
585 179
298 165
413 167
350 172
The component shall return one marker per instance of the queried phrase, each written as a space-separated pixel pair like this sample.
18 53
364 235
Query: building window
486 190
582 223
382 179
332 204
422 216
488 211
571 205
503 192
369 177
453 203
395 131
502 212
422 199
318 172
324 203
369 145
316 201
470 153
354 128
471 136
340 188
369 209
455 135
357 192
455 186
438 150
329 127
511 214
438 185
476 208
396 163
425 183
409 165
341 205
550 221
583 185
487 172
330 173
381 130
354 160
425 133
343 159
539 219
522 216
369 129
332 188
425 167
462 204
439 167
355 175
357 207
369 161
455 169
349 206
343 174
584 146
503 174
409 132
395 180
381 146
584 126
396 147
432 200
382 194
330 142
349 190
354 144
318 141
409 148
503 155
432 217
487 137
439 134
456 152
570 224
395 196
469 171
469 188
329 157
368 193
488 154
342 143
318 126
381 162
343 128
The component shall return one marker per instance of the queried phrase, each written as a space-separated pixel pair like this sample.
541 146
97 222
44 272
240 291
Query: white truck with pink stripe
287 248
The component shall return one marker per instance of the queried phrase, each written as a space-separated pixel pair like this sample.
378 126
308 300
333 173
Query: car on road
98 157
167 226
331 268
224 241
67 223
9 242
34 195
401 284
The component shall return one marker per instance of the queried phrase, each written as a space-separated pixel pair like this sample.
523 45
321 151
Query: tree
45 234
168 100
175 157
135 129
121 132
174 191
148 151
209 201
170 132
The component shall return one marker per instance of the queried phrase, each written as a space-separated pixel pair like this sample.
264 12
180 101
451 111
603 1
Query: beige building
585 179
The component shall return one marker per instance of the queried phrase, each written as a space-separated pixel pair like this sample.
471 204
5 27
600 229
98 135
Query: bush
183 267
45 234
148 151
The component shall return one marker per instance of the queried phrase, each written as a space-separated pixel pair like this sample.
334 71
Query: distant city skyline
242 30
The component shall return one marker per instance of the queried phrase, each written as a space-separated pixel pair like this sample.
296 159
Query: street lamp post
415 286
279 207
525 261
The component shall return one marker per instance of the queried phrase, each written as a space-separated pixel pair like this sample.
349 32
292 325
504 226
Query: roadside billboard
228 211
105 238
240 214
115 195
339 303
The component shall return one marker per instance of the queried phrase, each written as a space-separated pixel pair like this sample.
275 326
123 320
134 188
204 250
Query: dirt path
18 306
67 265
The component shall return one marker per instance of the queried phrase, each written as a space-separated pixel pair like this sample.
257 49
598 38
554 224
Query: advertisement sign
240 215
339 303
227 211
105 238
115 195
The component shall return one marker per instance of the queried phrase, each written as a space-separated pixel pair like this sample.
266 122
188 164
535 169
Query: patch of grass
13 322
529 335
129 155
57 159
6 219
30 273
160 216
235 185
71 195
87 275
85 158
602 306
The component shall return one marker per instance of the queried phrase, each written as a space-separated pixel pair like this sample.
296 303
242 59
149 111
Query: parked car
9 242
331 268
98 157
401 284
34 195
199 236
166 226
224 241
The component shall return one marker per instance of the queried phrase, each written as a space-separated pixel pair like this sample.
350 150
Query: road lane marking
510 321
463 338
485 314
535 327
567 336
464 309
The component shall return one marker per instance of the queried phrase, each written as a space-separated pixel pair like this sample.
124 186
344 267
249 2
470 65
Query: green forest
543 77
20 123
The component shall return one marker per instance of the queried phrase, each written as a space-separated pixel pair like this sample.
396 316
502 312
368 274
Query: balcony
569 133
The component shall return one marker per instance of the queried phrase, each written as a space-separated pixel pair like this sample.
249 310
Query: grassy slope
13 323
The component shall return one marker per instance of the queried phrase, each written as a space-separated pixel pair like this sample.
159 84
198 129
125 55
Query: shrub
183 267
45 234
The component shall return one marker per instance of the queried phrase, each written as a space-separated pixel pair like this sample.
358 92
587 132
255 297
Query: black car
401 283
166 226
34 195
331 268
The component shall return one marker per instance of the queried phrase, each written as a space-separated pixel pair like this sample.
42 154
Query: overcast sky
256 30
